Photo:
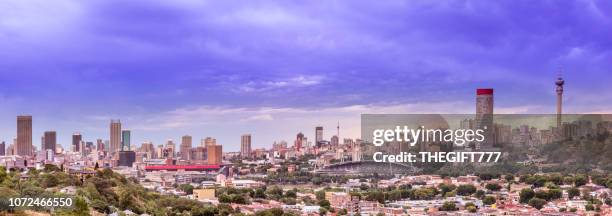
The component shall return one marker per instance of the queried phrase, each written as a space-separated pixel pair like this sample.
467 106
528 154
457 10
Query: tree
376 196
489 200
445 188
187 188
479 194
422 194
493 187
80 207
555 194
486 176
542 195
448 206
322 211
364 187
580 180
274 193
537 203
472 209
509 177
289 200
525 195
324 204
573 192
589 207
320 195
291 194
466 190
49 180
51 168
568 180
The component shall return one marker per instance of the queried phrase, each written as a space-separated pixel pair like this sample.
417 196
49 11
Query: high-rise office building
245 145
318 135
76 142
125 140
24 136
298 141
2 148
334 141
115 136
49 140
198 154
484 115
208 141
185 148
83 148
100 145
171 148
126 158
484 101
215 154
149 149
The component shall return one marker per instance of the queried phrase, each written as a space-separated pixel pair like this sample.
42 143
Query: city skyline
484 107
275 69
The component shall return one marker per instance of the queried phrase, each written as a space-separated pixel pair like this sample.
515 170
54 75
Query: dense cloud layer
72 59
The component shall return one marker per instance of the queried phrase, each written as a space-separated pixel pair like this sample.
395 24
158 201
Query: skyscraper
245 145
2 148
100 145
50 140
484 114
185 149
215 154
76 142
149 149
559 83
24 135
115 136
208 141
484 101
125 140
171 148
83 148
318 135
334 141
298 141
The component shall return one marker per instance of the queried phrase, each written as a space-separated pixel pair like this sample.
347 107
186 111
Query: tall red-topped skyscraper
484 101
24 135
115 136
484 115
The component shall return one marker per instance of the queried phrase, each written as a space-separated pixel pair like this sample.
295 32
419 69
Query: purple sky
273 69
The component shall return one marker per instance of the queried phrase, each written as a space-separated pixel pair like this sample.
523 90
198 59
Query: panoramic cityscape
287 108
324 175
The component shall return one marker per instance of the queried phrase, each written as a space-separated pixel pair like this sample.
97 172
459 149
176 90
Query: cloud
284 84
233 61
264 117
